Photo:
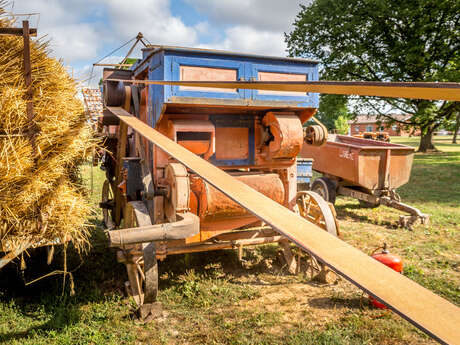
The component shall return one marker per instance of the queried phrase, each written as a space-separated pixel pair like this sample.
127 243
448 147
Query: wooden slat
113 64
429 312
430 91
16 31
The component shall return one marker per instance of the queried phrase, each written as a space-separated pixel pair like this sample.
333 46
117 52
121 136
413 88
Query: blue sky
83 31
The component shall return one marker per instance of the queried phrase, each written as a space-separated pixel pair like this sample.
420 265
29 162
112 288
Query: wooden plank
28 82
430 91
17 31
429 312
113 64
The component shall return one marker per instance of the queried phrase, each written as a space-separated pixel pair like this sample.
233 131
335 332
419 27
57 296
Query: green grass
211 298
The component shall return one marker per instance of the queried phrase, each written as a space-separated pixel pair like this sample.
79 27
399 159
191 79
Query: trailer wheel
314 208
107 199
325 188
318 211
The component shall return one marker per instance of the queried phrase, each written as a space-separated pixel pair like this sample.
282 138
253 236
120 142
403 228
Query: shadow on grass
347 210
256 260
96 276
334 303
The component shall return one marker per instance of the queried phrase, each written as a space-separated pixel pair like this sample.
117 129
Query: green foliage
341 124
376 40
331 107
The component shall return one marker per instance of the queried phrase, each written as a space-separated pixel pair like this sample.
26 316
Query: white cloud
60 22
153 18
82 31
255 26
78 34
249 40
265 15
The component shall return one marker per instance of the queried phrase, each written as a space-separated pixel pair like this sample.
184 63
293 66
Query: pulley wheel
315 135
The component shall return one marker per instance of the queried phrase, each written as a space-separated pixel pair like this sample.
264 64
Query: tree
341 124
455 127
385 40
331 107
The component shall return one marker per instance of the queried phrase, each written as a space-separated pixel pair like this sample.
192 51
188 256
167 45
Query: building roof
369 118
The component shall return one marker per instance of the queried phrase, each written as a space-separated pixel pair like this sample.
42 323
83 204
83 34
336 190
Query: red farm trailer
367 170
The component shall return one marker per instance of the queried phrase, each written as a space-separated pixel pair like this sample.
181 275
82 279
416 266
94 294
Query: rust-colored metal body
367 170
373 165
254 136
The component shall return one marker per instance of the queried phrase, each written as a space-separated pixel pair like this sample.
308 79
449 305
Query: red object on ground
391 260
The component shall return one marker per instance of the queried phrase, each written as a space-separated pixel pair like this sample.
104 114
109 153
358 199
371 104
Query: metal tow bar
427 311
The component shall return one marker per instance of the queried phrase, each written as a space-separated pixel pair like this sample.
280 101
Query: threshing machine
255 136
202 150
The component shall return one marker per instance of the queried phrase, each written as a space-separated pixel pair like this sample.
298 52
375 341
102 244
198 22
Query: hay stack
40 199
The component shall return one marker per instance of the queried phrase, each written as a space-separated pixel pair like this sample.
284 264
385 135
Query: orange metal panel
214 205
273 76
232 143
206 74
431 313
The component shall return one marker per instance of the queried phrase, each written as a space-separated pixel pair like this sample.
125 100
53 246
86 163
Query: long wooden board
418 90
429 312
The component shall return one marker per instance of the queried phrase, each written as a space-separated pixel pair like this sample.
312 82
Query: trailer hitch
406 221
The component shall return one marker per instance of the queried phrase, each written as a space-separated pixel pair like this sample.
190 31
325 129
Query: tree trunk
426 141
456 128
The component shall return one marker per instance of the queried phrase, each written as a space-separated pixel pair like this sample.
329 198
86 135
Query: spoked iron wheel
107 200
141 262
143 277
316 210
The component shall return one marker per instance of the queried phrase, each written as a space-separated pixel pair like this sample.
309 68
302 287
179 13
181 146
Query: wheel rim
321 190
107 195
311 206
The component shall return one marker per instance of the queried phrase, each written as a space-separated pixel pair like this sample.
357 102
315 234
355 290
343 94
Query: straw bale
40 200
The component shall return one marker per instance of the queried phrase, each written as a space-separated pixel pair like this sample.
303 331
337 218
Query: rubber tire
325 188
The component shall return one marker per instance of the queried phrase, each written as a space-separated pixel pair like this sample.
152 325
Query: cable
113 51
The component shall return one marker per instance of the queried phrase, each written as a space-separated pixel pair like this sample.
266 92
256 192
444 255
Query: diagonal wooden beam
418 90
427 311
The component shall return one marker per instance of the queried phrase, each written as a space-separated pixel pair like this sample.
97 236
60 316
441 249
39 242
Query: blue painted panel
304 170
178 61
165 64
309 100
156 92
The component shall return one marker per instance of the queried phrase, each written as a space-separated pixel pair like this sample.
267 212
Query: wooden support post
28 83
